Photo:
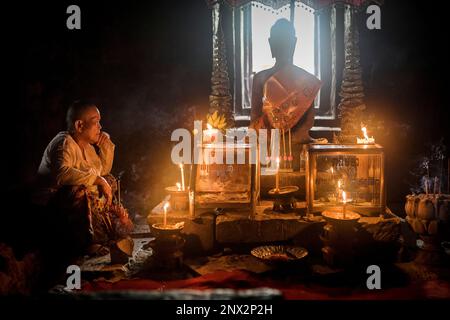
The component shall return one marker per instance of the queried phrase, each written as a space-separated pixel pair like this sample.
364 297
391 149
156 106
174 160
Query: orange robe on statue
288 95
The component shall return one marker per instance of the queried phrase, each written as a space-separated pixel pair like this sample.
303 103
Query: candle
178 186
366 138
364 130
190 177
182 176
344 200
284 150
277 177
118 190
338 191
166 206
191 204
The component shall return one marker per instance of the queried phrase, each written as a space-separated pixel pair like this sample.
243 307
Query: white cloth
63 163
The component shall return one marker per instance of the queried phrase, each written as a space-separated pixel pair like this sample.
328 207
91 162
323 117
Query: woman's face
90 130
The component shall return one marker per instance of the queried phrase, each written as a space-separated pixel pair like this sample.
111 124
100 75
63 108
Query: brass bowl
336 215
283 192
279 254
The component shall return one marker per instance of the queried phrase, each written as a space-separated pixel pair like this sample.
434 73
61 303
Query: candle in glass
290 149
182 176
118 191
166 206
284 149
339 190
191 204
344 200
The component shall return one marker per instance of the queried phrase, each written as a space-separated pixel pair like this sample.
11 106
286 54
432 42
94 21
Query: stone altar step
233 226
267 226
230 227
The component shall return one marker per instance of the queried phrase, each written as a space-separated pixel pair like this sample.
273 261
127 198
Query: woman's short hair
76 111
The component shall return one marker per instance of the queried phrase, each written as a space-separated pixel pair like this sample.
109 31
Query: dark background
147 64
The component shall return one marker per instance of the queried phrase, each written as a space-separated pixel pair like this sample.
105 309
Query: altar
313 209
256 149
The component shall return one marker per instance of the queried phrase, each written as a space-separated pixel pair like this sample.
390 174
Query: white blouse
63 162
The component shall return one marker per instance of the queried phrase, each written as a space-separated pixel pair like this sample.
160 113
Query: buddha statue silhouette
283 96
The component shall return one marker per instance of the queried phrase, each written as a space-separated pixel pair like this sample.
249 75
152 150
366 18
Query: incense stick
118 190
290 148
284 150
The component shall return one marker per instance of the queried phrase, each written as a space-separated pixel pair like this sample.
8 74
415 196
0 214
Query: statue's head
282 40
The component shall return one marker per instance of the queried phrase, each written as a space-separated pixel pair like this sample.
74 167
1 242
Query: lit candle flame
178 186
332 171
339 184
182 176
165 207
364 130
277 175
344 200
209 126
366 139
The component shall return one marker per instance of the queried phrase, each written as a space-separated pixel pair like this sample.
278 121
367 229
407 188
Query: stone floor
220 242
311 276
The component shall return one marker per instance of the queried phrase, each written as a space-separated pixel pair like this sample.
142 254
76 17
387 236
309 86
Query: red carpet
243 280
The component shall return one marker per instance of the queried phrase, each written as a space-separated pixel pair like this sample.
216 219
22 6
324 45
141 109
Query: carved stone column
220 98
352 104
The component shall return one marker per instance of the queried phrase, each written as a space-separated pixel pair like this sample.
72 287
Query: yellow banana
217 121
214 116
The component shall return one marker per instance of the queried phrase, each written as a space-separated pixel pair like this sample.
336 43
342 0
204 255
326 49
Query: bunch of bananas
217 121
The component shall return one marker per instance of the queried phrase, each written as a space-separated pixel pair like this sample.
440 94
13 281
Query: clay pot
411 205
426 209
430 222
418 226
433 227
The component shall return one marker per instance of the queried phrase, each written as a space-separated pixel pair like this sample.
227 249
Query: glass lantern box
352 174
230 184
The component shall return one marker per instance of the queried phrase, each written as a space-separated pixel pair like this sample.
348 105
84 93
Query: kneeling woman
76 185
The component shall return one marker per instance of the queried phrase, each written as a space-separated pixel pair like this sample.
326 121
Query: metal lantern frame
316 150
